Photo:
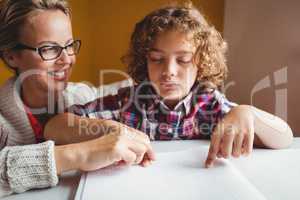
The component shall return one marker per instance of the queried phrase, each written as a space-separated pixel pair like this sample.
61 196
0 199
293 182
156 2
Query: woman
36 42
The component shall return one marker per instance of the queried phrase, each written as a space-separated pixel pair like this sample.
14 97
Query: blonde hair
211 48
13 14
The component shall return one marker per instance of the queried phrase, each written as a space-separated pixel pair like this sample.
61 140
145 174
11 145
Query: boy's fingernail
209 163
147 163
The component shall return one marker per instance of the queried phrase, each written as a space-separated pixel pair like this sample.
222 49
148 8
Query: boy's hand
233 135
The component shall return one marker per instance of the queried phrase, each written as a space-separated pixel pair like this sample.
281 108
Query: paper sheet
276 173
175 175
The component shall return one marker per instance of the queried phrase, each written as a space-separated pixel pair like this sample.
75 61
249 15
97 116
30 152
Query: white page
175 175
276 173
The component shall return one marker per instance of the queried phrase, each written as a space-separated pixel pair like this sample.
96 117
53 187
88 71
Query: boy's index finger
213 149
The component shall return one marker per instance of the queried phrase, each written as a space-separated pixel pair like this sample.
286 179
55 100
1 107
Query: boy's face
170 65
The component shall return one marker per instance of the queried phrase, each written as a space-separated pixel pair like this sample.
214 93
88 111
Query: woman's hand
122 144
234 135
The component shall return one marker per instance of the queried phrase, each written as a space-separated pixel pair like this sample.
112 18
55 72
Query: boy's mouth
169 85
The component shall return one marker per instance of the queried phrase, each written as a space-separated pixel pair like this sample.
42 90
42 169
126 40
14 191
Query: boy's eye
156 60
185 60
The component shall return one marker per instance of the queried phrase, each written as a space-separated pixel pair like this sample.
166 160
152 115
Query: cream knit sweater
23 164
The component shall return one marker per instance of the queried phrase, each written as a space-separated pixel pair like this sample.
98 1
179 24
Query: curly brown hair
211 48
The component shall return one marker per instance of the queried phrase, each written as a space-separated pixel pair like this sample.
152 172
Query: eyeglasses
52 52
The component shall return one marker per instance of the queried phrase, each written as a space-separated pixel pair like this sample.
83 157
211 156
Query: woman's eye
49 49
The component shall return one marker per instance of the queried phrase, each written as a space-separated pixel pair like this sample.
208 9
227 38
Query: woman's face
45 28
170 65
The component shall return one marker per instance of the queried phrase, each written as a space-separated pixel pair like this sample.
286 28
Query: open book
174 175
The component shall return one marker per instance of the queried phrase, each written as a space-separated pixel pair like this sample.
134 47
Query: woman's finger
150 153
136 135
128 156
146 161
141 138
139 149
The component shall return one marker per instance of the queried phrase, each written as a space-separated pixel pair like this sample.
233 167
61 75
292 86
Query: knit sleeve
26 167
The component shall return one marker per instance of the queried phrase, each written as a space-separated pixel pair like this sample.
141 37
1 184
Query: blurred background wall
105 28
264 55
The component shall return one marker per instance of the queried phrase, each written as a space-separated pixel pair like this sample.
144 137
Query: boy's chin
172 97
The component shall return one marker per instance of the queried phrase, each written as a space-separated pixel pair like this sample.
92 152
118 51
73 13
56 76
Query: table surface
67 187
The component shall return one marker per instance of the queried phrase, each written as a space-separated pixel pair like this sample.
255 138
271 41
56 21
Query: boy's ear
9 58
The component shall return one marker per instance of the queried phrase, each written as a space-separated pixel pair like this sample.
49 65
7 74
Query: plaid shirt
140 107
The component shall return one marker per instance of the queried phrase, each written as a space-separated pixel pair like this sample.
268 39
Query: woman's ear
10 59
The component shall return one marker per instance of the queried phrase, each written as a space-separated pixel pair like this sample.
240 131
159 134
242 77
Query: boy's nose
170 68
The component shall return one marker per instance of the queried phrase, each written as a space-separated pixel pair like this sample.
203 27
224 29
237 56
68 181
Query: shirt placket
173 119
